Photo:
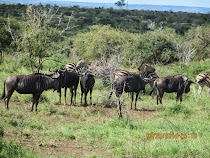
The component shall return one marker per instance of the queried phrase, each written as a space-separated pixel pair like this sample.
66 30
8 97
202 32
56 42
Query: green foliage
38 40
10 149
101 41
1 131
177 109
200 39
154 46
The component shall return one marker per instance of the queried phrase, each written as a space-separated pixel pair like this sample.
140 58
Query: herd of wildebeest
123 81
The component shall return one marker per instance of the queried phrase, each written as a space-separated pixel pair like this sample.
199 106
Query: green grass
96 131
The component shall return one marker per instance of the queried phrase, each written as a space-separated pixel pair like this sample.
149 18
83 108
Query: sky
194 3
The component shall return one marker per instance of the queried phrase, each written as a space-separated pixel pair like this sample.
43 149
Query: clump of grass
122 123
175 110
13 122
1 131
11 149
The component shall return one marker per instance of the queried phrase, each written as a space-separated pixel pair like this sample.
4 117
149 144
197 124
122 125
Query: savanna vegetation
44 38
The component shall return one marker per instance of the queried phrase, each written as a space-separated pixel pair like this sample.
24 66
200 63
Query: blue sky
195 3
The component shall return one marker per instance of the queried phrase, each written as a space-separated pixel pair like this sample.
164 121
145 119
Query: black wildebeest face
146 68
187 84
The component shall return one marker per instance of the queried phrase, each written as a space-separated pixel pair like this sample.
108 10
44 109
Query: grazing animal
177 83
144 70
70 67
68 79
33 84
133 83
203 79
79 67
153 76
87 83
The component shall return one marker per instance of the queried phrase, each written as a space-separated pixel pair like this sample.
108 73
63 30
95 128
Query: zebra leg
119 107
200 89
208 92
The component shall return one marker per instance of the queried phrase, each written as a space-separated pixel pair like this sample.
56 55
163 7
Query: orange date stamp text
170 135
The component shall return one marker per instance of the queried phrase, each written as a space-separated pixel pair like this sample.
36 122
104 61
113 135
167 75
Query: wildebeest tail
150 93
3 95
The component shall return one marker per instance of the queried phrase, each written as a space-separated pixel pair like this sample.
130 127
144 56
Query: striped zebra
203 79
80 67
153 76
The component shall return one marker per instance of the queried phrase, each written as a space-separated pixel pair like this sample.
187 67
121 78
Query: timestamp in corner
171 135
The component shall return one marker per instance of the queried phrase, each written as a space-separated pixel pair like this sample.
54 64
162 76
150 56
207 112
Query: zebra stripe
70 67
78 68
203 79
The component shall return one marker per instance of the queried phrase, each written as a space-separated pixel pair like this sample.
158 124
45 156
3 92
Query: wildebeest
33 84
133 83
68 79
86 83
203 79
144 70
177 83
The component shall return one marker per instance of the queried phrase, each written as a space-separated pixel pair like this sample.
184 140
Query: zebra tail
150 93
3 95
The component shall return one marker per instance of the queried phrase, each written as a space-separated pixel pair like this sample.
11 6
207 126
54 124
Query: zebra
79 68
203 79
144 70
152 76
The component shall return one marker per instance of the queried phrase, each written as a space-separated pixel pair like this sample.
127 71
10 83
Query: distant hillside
134 21
111 5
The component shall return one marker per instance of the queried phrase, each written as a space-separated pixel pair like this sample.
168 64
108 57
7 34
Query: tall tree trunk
40 64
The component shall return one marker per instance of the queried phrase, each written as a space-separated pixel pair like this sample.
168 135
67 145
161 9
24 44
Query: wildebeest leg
136 99
158 95
119 107
180 98
81 97
91 96
65 95
75 95
35 101
161 97
131 99
86 98
72 94
7 98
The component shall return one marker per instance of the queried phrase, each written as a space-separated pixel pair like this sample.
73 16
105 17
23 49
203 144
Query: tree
38 40
120 3
101 41
199 38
